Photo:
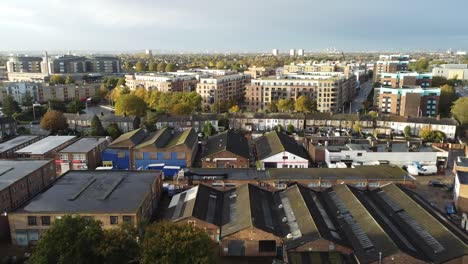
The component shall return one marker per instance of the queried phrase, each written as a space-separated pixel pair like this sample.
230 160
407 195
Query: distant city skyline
246 26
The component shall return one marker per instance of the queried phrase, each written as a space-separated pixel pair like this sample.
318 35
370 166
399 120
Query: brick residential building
102 195
331 90
408 101
259 72
215 89
226 150
163 82
402 79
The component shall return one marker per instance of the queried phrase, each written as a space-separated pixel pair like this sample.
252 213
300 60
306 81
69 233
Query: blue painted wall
109 154
173 161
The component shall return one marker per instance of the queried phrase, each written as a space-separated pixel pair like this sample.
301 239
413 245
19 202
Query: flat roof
14 142
378 172
13 170
45 145
395 147
105 191
84 145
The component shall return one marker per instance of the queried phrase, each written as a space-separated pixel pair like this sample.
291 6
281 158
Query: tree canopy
75 106
208 129
161 66
10 106
304 105
56 79
27 100
171 67
447 96
69 240
140 66
96 127
460 110
171 243
54 121
113 130
285 105
420 65
129 104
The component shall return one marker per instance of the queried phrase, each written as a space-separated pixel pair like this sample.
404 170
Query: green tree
57 79
421 65
167 242
290 129
425 133
96 127
113 130
181 109
69 80
357 127
303 104
272 107
75 106
407 131
208 129
150 121
128 66
460 110
27 100
119 245
57 105
152 66
161 66
69 240
447 96
140 66
54 121
220 65
129 104
285 105
10 106
223 122
120 82
171 67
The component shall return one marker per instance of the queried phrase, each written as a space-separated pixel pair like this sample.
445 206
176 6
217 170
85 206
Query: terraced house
340 224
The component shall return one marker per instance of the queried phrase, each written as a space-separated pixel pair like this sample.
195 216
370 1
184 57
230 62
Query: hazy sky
240 25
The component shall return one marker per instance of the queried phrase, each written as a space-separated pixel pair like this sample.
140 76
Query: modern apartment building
331 90
70 64
163 82
407 101
38 69
275 52
390 64
259 72
112 197
25 64
310 67
43 93
402 79
215 89
19 89
451 71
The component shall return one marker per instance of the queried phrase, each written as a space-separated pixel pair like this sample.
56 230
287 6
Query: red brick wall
241 162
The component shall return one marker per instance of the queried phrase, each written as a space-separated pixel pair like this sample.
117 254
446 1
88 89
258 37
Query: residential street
356 105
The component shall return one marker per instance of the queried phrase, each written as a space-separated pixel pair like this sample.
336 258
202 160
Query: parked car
436 183
450 209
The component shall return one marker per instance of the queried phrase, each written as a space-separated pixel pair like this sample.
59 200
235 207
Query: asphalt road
356 104
96 110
